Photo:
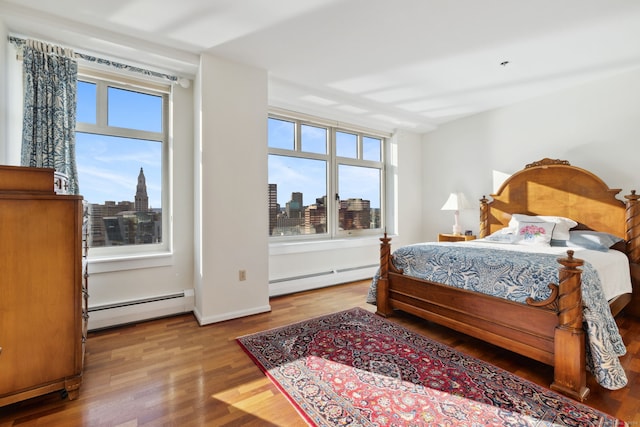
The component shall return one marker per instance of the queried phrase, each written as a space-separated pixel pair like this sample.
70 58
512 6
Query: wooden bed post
632 227
484 217
382 297
632 236
569 342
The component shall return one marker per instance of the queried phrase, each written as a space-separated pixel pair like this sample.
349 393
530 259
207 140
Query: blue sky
308 176
108 166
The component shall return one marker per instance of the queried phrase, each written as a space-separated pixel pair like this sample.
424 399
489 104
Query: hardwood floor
173 372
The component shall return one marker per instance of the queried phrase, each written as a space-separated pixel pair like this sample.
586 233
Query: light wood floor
172 372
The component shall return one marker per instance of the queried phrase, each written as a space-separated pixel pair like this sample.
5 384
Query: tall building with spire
142 200
125 222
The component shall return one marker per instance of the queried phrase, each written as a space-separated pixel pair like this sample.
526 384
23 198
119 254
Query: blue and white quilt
511 275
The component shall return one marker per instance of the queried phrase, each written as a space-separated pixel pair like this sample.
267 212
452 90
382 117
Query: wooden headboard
554 187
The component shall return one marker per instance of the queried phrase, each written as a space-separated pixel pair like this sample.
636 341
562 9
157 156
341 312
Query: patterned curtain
48 135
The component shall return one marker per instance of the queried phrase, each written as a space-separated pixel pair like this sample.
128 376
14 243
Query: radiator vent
356 268
320 279
304 276
136 302
124 312
322 273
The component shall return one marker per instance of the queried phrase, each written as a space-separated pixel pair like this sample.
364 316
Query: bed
553 328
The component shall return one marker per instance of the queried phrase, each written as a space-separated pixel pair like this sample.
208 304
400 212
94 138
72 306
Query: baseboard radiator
121 313
320 279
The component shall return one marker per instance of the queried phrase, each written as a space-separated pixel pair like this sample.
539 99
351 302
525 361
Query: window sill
296 247
107 264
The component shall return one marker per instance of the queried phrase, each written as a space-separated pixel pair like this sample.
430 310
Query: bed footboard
551 332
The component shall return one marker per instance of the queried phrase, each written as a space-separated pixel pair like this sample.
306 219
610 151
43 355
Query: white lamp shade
456 202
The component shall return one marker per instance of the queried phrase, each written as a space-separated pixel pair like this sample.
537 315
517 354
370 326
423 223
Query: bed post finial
632 227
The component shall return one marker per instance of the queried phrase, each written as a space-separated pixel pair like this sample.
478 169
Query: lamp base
457 230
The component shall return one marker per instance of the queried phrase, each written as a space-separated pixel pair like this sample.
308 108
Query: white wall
595 126
408 223
231 184
13 96
4 60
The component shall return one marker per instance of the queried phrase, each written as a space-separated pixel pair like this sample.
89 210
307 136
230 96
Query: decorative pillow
560 231
504 235
594 240
535 233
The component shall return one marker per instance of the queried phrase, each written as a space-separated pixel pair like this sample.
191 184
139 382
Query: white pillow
504 235
535 233
560 231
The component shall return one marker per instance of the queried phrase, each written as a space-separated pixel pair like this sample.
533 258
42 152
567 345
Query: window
324 181
121 149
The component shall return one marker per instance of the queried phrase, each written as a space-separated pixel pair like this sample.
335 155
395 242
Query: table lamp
456 202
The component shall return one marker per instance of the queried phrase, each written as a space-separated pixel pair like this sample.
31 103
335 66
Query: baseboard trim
207 320
124 312
320 280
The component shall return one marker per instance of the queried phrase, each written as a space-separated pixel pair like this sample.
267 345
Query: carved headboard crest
547 162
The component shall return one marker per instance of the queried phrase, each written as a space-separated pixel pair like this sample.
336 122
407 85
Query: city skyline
108 172
308 176
125 222
297 218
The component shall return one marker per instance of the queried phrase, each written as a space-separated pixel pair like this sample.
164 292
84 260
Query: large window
121 138
324 181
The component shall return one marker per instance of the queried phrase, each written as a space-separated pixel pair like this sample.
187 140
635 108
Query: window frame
333 163
103 81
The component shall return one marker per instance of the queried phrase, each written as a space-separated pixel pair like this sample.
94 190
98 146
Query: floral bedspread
512 276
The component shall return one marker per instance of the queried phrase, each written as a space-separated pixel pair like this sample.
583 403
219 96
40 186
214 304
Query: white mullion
120 132
297 142
291 153
102 99
332 186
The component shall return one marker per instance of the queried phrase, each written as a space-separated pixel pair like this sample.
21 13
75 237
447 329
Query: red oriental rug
354 368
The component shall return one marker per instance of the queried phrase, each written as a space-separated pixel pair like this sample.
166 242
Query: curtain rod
18 42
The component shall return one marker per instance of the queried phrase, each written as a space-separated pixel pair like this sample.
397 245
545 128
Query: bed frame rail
550 332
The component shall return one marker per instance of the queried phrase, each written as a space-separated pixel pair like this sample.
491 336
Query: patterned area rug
354 368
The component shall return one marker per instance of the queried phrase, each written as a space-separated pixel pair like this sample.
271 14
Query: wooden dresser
42 320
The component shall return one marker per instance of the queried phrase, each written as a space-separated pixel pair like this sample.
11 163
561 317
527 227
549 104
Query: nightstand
444 237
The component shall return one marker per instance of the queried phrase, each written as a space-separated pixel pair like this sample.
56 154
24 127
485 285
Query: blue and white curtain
48 131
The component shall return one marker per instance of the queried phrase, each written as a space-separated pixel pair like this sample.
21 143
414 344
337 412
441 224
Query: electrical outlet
242 275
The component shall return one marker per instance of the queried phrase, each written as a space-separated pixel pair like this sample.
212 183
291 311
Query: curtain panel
50 84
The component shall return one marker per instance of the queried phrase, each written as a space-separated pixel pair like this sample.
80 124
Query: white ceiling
387 64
